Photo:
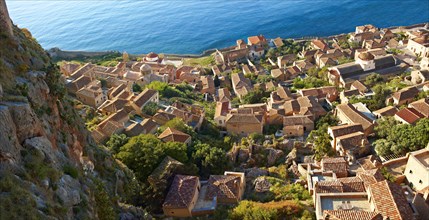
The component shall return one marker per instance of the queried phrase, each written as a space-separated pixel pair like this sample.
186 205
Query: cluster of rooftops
366 195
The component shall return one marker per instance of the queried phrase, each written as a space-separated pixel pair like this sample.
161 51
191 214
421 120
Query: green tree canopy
144 152
211 159
116 141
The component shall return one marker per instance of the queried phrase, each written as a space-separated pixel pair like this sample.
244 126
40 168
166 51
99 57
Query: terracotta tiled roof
359 86
321 92
244 118
422 106
276 73
320 44
181 192
222 109
390 201
145 127
296 120
337 165
351 215
386 111
410 115
144 97
404 94
278 42
354 115
284 93
223 186
256 40
352 142
162 117
347 184
341 130
369 162
370 176
171 134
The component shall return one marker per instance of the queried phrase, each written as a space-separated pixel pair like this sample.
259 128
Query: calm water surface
191 26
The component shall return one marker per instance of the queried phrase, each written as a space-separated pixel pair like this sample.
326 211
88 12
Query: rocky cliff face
50 167
5 22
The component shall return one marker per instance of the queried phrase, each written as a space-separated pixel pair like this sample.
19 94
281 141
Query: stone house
257 46
244 124
221 111
295 126
241 85
419 45
319 44
408 116
417 169
145 97
340 130
91 95
422 106
404 96
182 196
174 135
348 114
419 76
228 188
207 85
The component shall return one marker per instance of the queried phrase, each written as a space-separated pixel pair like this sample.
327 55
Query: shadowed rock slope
50 167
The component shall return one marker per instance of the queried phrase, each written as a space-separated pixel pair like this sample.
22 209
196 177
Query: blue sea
191 26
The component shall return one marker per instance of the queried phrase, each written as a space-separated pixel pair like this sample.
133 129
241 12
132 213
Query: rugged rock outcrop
50 167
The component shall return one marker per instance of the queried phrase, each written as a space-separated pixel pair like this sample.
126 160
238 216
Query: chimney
5 22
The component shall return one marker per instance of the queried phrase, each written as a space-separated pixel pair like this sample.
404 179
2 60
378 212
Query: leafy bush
16 202
150 108
247 210
71 171
116 141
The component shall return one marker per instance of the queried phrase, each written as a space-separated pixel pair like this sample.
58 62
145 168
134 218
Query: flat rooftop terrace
345 203
423 158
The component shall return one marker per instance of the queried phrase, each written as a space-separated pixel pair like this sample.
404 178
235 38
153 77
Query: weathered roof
386 111
222 109
410 115
223 186
320 44
341 130
348 69
256 40
370 176
404 94
351 215
340 185
144 97
384 62
422 106
244 118
359 86
277 72
296 120
390 201
278 42
181 192
354 115
173 135
337 165
352 141
369 162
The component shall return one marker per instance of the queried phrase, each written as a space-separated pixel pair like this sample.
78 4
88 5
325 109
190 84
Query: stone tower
5 22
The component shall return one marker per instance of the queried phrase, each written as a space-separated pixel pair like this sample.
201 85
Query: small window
420 181
411 171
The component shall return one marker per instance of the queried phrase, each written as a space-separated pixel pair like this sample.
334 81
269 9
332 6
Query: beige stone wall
416 173
244 128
